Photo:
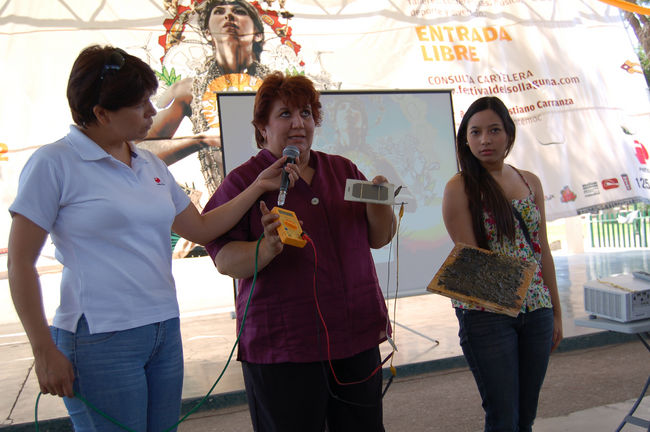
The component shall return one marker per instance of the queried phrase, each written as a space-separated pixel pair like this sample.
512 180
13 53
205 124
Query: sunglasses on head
114 63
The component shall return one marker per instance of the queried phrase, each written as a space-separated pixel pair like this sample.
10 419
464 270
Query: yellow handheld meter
289 230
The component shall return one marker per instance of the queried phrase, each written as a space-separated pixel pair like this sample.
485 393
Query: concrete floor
581 394
433 391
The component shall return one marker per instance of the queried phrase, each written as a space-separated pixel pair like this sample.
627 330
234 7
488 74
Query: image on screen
405 135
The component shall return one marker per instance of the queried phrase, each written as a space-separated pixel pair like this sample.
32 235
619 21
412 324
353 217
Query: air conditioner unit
620 298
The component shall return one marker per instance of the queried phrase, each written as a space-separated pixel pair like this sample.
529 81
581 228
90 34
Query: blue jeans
508 357
135 376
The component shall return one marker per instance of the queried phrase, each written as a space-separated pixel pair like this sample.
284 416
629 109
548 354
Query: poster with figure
566 69
213 46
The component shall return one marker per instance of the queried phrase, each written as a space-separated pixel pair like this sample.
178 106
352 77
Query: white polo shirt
111 226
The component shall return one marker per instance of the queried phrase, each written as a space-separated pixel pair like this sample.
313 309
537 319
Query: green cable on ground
198 405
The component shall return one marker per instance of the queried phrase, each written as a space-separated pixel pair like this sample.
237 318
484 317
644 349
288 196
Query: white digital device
366 191
620 298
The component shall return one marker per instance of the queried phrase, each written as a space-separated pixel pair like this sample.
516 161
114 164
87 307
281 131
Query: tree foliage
640 24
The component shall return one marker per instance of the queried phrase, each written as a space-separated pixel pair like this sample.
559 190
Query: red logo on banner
641 152
610 183
626 181
567 195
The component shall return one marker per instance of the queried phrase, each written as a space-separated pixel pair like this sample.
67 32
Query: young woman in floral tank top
508 356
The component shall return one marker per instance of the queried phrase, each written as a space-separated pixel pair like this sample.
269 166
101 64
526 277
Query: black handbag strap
524 228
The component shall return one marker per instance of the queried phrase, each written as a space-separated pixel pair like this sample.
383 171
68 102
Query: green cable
36 410
198 405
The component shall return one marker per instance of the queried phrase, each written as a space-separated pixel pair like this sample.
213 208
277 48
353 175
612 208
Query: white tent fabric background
582 114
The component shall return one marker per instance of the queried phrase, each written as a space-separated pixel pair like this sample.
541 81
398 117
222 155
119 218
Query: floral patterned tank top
538 295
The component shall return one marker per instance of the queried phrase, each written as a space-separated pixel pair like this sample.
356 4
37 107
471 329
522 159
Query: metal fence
627 228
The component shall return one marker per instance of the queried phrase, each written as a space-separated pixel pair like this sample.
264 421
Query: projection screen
407 136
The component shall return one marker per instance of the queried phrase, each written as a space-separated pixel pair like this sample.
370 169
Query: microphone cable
327 339
202 401
392 341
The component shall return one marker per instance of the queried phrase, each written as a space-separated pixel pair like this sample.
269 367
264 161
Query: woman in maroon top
284 348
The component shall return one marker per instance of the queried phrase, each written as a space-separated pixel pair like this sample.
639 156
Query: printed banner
566 69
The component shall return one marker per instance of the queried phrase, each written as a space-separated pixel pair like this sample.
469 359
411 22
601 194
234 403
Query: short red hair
295 91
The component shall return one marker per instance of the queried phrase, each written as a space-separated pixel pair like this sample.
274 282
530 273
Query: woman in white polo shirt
109 208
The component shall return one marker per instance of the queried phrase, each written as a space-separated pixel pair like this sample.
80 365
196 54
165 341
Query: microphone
292 153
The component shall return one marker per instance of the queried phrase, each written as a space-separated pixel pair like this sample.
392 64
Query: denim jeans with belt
135 376
508 357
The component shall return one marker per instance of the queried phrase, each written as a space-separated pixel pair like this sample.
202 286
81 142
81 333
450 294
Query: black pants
304 397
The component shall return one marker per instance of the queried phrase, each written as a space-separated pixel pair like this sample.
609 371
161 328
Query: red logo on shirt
158 181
